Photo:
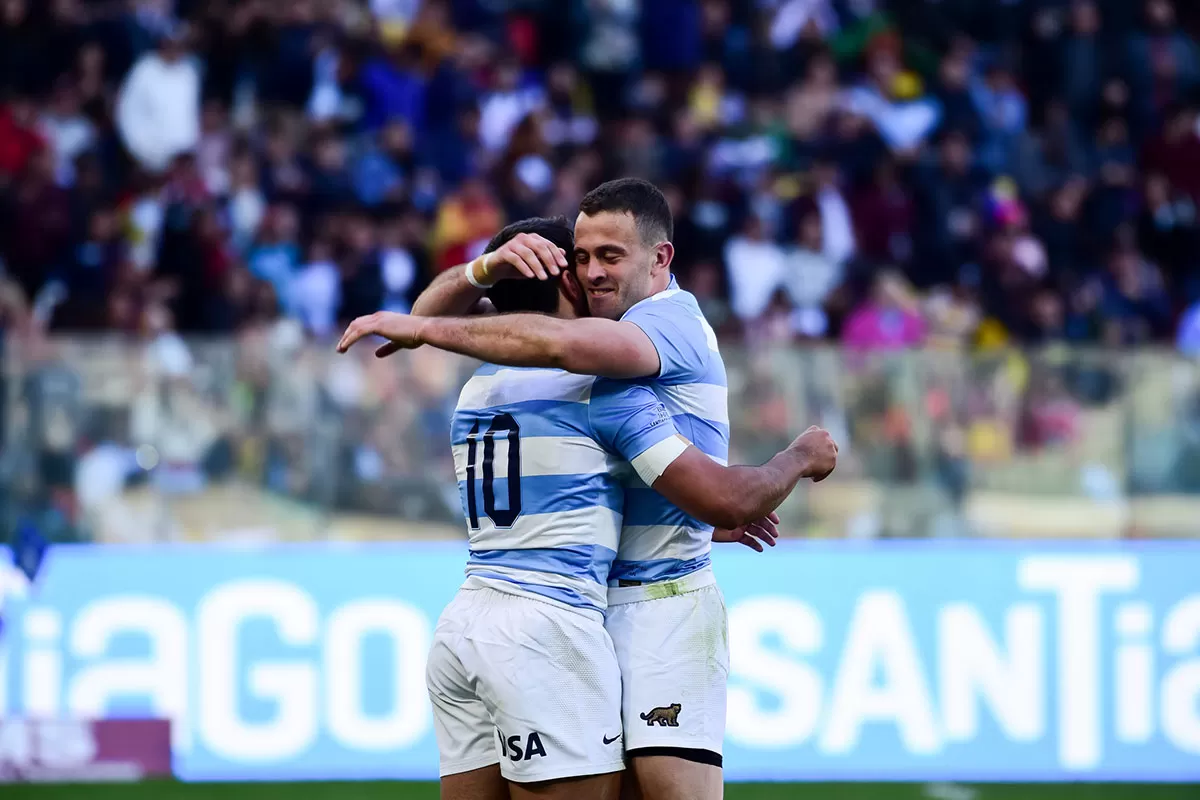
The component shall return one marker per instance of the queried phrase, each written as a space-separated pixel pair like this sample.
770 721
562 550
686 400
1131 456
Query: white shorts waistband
693 581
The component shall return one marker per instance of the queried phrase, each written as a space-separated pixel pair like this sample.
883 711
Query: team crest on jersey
663 716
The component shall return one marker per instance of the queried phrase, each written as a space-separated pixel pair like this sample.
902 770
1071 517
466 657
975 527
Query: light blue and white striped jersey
542 458
659 541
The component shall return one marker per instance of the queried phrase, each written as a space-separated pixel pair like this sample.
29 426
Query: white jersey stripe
510 386
654 542
704 400
545 455
579 526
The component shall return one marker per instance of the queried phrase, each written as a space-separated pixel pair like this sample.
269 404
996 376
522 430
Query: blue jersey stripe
653 571
559 594
648 507
549 494
712 372
587 561
712 438
536 418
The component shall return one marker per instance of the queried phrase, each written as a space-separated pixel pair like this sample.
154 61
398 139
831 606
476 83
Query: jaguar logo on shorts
663 716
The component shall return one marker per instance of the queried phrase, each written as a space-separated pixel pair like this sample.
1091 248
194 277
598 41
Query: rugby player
667 619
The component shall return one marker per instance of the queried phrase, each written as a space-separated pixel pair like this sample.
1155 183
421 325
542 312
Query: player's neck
565 309
660 283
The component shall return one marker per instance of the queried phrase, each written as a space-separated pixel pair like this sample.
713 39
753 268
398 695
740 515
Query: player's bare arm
733 497
591 346
456 291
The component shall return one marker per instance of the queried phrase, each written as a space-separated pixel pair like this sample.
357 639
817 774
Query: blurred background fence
268 437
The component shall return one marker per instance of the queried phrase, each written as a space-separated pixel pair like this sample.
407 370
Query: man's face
614 266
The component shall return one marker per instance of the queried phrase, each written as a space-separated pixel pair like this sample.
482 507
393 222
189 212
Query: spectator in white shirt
755 266
837 227
158 108
317 290
504 107
810 275
69 132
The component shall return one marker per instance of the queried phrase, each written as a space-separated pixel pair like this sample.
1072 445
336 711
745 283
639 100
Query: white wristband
471 279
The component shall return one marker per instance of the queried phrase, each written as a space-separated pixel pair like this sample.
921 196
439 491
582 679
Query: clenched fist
819 450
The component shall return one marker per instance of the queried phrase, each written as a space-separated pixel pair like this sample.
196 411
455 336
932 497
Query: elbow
726 519
730 511
742 506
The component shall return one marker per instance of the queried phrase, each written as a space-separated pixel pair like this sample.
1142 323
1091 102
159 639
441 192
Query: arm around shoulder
606 348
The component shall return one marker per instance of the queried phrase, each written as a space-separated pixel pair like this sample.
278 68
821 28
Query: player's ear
573 292
664 254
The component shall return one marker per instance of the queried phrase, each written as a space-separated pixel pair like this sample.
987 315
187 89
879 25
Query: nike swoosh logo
613 739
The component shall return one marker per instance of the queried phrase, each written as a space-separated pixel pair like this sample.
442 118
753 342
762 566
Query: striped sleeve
679 336
631 422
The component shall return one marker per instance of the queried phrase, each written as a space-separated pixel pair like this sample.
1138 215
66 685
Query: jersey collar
672 288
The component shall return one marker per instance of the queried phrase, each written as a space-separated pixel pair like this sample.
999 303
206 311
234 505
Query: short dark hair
649 207
526 295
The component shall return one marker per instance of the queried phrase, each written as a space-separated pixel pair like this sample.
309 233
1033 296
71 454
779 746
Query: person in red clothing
883 217
19 138
1176 151
465 221
39 228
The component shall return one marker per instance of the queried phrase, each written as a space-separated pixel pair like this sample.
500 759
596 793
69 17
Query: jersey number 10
500 517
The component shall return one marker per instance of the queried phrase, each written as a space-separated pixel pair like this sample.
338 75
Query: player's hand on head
820 450
754 535
401 330
526 255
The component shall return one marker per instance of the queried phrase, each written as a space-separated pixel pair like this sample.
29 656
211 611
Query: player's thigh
674 658
591 787
550 679
463 725
485 783
672 778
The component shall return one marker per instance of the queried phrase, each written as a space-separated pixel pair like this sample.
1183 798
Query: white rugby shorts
672 643
527 683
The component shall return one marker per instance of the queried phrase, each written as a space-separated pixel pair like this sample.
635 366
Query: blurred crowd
887 173
269 434
882 174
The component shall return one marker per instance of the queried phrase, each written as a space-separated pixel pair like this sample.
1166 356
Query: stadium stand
961 235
